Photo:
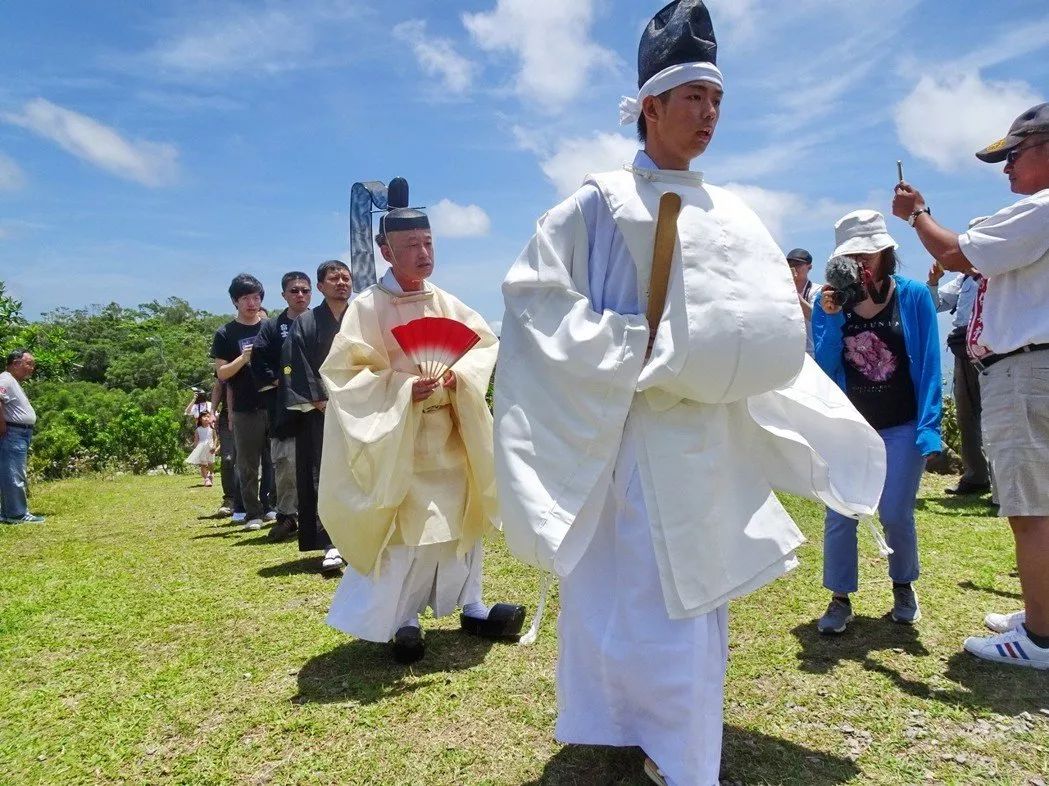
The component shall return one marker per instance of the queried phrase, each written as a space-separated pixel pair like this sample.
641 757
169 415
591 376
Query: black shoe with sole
285 527
965 488
408 645
505 621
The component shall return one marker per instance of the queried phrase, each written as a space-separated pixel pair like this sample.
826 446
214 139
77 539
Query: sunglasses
299 291
1016 152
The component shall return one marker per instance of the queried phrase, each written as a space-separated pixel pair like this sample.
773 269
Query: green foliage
85 427
111 382
952 436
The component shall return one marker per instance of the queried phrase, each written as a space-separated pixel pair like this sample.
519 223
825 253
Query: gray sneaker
839 615
905 609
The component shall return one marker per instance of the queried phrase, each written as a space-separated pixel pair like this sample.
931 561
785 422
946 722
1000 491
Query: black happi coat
305 351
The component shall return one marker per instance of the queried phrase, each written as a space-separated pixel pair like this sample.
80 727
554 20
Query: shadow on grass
364 672
297 567
747 757
228 533
969 585
1003 689
974 507
214 517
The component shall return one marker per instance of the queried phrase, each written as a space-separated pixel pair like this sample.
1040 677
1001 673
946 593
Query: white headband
668 79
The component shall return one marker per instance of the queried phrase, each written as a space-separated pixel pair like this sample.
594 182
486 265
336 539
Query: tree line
111 382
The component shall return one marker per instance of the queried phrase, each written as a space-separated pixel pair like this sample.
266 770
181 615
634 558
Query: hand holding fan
435 344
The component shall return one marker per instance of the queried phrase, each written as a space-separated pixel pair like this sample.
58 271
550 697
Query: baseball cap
1034 121
799 256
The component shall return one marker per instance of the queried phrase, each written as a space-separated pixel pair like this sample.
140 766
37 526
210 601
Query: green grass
143 642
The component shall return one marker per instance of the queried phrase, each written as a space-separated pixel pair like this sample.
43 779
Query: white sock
476 610
411 622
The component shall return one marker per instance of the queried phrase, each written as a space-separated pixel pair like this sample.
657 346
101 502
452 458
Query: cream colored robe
396 472
727 409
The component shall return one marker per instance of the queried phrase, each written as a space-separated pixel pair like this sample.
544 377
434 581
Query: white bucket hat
862 232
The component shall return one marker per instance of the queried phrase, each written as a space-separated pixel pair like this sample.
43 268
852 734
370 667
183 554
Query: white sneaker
332 560
1003 623
240 518
1013 647
253 526
271 515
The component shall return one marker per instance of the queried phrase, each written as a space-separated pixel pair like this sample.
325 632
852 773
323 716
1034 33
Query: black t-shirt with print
877 371
230 341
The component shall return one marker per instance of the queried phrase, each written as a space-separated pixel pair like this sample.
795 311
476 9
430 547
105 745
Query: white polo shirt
1011 249
17 408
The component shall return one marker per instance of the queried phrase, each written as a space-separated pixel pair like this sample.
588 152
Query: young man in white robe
407 486
637 462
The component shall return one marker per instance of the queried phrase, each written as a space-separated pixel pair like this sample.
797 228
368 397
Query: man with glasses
1008 339
307 347
231 352
267 368
17 419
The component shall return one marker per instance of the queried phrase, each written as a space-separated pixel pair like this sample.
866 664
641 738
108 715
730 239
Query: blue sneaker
905 608
836 620
28 518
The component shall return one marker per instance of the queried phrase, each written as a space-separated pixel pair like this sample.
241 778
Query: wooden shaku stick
663 255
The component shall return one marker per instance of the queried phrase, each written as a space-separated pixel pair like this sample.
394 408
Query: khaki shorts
1015 394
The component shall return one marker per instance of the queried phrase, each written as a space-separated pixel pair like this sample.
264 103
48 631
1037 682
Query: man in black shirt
231 352
267 367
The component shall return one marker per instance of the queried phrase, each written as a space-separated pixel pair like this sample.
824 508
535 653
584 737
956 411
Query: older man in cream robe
647 484
407 484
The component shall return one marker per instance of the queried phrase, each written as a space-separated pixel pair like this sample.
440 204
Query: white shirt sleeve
1012 238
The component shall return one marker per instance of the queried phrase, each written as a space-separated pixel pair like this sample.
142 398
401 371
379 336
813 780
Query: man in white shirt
1009 340
17 419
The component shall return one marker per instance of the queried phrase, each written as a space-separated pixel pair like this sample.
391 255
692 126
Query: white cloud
450 219
946 119
577 157
550 38
437 56
263 38
777 157
238 41
11 176
148 163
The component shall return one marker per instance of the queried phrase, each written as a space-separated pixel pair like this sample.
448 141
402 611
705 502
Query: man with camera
1008 339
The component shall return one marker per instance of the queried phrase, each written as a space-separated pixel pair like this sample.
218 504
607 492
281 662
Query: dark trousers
268 479
308 443
250 435
231 497
967 403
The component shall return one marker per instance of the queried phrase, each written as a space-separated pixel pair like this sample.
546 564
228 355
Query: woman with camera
875 334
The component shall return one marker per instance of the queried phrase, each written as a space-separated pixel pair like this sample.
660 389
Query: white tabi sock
477 611
411 622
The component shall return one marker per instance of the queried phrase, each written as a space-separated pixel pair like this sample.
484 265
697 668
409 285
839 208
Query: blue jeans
14 455
905 465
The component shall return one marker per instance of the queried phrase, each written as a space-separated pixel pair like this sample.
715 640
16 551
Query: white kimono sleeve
564 384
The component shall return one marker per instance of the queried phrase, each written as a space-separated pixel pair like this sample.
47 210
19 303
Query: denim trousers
14 457
905 465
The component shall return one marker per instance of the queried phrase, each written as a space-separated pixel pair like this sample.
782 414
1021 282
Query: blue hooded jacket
921 336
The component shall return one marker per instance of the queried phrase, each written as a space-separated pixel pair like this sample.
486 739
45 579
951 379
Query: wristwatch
916 213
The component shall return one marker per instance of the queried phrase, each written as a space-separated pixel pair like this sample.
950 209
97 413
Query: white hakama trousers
627 674
410 579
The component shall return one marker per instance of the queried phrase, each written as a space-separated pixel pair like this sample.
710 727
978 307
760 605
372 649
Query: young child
205 443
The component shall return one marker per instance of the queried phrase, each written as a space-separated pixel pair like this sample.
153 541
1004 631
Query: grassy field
144 642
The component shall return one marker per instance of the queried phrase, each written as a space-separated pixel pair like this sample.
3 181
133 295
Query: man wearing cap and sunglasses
1009 342
800 262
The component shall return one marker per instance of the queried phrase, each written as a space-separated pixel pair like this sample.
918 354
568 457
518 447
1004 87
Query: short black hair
295 275
245 284
332 264
15 355
642 126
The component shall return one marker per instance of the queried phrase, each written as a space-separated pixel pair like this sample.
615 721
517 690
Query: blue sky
150 150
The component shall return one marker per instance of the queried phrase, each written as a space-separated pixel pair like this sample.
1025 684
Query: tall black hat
681 33
399 217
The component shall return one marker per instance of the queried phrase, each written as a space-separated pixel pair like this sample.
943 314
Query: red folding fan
435 344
